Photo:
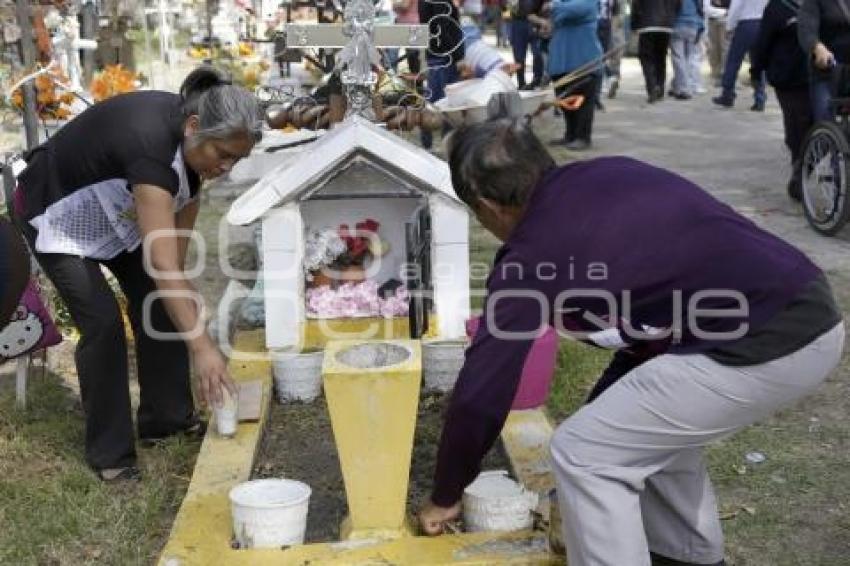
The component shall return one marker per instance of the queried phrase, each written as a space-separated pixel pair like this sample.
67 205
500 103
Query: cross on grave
358 38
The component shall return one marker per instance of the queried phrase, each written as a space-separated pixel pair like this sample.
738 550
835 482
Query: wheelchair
825 161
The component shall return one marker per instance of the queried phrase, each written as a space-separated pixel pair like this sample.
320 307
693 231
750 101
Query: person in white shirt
743 20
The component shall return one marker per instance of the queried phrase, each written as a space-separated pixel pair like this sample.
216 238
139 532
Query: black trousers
579 123
797 118
652 52
166 405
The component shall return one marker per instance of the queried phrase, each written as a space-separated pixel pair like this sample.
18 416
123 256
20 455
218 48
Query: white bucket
441 363
495 502
297 376
269 513
494 82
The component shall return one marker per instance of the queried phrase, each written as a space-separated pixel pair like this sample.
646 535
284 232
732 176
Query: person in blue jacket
574 45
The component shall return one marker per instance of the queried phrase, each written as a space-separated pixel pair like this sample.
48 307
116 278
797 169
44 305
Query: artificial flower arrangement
111 81
335 265
50 104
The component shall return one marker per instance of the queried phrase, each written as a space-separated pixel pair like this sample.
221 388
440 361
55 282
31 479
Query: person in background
743 21
407 12
824 33
608 9
653 20
699 55
574 45
112 189
445 50
717 38
474 10
14 270
523 36
618 41
777 53
479 58
684 46
630 469
493 17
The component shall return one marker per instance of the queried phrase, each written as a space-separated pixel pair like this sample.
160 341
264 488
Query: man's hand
432 518
824 59
211 368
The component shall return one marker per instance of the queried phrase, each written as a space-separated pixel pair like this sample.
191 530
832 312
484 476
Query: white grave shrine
360 173
355 172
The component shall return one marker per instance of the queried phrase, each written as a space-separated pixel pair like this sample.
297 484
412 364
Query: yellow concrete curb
202 530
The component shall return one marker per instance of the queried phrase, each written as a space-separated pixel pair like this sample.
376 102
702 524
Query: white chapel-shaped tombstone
358 170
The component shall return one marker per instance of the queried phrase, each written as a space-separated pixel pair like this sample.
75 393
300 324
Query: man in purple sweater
716 323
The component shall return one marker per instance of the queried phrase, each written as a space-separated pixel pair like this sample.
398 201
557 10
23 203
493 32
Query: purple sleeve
486 386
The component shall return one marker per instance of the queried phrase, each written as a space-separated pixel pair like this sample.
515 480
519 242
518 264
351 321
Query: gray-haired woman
113 188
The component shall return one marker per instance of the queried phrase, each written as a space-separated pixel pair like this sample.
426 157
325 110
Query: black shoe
795 189
613 86
194 431
599 106
560 142
757 107
680 95
723 101
658 560
656 95
115 475
578 145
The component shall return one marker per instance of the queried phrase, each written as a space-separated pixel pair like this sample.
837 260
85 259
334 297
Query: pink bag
31 327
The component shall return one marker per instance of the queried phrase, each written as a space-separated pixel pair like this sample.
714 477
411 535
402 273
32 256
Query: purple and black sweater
613 244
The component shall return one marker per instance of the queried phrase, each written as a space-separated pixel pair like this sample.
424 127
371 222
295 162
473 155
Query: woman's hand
824 59
432 518
211 369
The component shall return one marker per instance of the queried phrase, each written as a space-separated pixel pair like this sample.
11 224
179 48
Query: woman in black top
824 33
113 188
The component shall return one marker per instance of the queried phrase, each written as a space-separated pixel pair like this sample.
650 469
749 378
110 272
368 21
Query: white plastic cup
269 513
227 414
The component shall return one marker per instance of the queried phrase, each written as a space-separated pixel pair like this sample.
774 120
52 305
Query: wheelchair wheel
825 177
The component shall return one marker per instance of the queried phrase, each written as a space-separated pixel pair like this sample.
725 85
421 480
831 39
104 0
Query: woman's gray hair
223 109
501 160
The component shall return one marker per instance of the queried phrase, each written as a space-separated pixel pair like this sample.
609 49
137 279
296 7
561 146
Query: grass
53 509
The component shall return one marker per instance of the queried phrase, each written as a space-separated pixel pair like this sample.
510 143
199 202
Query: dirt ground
298 444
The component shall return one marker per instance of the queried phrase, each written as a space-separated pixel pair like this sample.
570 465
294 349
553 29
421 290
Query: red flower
369 226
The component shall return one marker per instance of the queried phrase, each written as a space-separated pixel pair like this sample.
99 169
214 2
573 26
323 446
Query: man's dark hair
501 160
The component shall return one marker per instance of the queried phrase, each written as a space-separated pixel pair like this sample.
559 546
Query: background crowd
797 47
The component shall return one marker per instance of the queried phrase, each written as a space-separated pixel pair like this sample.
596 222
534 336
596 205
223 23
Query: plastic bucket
495 502
494 82
441 363
536 372
269 513
297 376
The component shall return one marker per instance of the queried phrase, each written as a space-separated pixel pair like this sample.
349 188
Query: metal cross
358 37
